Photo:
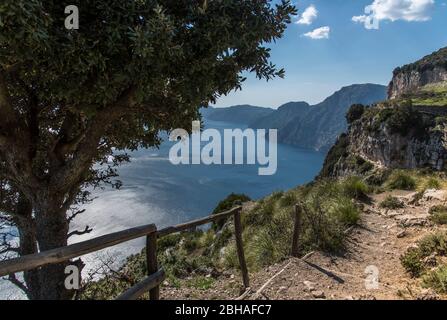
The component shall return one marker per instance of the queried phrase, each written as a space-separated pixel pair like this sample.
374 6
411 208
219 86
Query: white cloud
319 33
308 16
393 10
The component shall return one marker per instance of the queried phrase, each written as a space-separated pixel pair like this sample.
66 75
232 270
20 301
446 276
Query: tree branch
80 233
87 148
13 279
70 218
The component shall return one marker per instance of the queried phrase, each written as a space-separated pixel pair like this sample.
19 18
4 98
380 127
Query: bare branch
13 279
70 218
80 233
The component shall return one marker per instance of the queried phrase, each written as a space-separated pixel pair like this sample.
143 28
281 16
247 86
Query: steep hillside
349 230
430 69
242 114
280 118
406 132
302 125
390 136
320 126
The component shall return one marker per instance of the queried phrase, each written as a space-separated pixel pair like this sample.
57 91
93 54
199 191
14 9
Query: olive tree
70 99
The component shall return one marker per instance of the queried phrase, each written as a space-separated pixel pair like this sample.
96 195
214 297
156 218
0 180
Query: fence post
152 263
240 248
296 230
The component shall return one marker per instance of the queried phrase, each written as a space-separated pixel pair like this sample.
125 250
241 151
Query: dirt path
370 269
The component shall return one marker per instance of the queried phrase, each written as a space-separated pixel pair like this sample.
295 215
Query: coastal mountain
241 114
299 124
408 131
320 126
281 118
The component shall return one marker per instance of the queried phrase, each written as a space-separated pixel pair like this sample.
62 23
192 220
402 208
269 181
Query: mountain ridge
301 124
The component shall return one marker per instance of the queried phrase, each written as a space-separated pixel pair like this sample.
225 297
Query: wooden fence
156 275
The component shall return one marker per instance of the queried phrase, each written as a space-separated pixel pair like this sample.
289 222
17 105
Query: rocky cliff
430 69
408 131
390 137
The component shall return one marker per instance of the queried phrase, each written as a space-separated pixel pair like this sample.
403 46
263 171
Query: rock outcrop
406 82
430 69
398 133
390 137
416 148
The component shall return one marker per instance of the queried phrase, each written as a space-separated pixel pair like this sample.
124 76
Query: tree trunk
52 232
28 243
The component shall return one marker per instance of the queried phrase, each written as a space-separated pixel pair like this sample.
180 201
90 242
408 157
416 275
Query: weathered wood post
240 247
152 263
297 230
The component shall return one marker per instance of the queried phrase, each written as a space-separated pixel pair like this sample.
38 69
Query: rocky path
370 269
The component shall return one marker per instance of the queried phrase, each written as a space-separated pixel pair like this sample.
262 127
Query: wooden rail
155 275
195 223
59 255
148 284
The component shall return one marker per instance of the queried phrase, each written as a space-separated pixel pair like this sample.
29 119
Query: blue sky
351 53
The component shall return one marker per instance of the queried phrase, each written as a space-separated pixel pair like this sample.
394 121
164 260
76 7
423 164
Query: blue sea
156 191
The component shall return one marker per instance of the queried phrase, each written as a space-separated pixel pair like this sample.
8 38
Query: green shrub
402 119
433 183
433 243
228 203
231 201
401 180
272 242
337 152
261 214
200 283
413 259
168 241
436 279
355 187
355 112
438 214
275 196
230 258
392 203
412 262
288 199
190 244
346 212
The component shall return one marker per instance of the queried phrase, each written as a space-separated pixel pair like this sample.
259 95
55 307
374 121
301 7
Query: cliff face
406 82
416 147
430 69
390 137
408 131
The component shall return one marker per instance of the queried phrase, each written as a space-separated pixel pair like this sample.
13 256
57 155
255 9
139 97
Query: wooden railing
155 275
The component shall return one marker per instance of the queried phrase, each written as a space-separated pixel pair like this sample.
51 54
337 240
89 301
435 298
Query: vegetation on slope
434 94
196 258
427 261
429 62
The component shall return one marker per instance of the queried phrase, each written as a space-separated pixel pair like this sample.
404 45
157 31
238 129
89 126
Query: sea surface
156 191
